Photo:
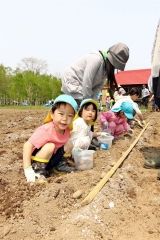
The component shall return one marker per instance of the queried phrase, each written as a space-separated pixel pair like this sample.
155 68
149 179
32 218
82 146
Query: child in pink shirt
115 120
40 149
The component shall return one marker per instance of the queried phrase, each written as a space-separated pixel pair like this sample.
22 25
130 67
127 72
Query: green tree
20 85
4 85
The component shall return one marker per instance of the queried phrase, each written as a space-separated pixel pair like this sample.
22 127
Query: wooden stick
99 186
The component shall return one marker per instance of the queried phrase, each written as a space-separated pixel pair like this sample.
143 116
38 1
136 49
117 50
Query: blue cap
125 107
89 100
67 99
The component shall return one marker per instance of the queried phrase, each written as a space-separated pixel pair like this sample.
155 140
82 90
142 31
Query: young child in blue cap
40 150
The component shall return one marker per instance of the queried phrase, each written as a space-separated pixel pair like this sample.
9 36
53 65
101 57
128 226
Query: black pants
145 101
45 168
156 90
55 159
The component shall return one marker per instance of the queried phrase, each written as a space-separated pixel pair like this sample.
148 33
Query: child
108 99
39 151
133 96
81 134
115 120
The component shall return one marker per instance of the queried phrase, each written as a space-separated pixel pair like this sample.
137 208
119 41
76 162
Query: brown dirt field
49 211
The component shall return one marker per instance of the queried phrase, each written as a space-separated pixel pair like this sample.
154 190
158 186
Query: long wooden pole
99 186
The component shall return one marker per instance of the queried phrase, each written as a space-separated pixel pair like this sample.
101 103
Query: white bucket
105 141
83 159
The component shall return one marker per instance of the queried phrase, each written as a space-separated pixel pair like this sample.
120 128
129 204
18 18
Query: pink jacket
116 124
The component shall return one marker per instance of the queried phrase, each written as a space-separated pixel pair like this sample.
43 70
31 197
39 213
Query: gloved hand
105 124
130 130
143 122
30 174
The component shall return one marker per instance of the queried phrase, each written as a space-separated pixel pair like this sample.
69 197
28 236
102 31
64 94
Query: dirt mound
126 208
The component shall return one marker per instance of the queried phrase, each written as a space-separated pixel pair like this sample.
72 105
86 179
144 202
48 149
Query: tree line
28 84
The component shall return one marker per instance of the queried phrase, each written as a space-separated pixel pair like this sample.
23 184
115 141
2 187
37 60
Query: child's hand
130 131
104 134
96 134
68 147
30 174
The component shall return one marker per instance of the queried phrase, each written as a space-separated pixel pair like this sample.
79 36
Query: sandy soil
126 208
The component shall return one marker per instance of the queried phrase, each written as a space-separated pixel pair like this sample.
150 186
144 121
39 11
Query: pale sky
61 31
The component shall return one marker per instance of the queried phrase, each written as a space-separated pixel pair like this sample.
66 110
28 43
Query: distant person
116 94
121 91
145 96
85 78
133 96
108 101
39 152
112 102
99 99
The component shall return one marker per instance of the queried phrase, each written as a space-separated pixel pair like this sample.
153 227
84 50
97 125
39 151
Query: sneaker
40 168
158 176
92 147
64 167
152 163
95 142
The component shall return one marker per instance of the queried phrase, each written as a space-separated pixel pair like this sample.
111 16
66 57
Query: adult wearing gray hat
86 77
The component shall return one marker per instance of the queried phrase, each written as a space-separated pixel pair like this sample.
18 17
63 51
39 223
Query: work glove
30 174
143 122
130 131
139 123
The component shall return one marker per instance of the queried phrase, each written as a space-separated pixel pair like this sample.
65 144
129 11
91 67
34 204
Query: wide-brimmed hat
118 55
125 107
